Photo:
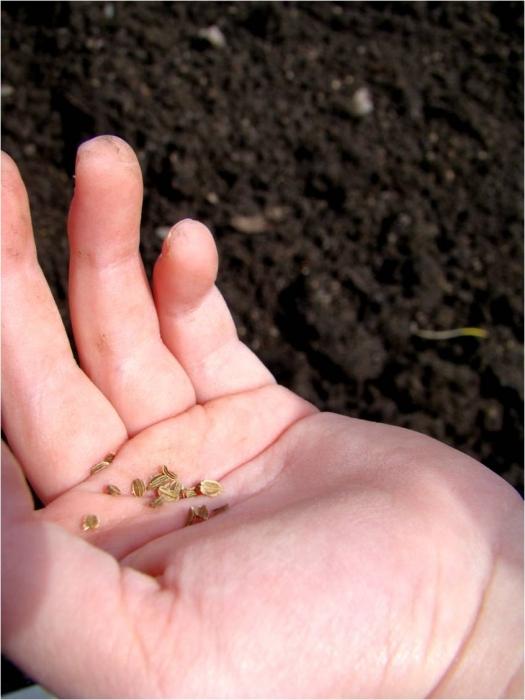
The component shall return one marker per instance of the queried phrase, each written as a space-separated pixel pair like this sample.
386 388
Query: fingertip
190 245
7 161
188 265
11 178
17 237
183 228
107 199
108 148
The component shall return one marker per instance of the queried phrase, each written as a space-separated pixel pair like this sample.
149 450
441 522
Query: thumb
67 607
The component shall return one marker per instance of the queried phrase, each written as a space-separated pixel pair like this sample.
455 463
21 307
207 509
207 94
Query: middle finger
113 315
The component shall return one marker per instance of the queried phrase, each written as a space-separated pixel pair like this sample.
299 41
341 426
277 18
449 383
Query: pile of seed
165 487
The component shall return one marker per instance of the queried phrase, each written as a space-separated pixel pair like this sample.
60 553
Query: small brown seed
209 488
156 502
192 517
197 515
188 493
90 522
202 513
169 473
217 511
109 457
138 487
113 490
157 480
99 466
170 494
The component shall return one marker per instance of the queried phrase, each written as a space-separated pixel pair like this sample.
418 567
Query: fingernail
176 230
104 145
182 223
167 241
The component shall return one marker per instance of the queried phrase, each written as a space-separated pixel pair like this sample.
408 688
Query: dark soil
409 216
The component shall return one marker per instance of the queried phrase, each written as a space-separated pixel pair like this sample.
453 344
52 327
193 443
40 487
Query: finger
55 419
69 611
194 318
114 318
17 501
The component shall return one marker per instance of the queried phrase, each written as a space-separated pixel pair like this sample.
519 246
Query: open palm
330 573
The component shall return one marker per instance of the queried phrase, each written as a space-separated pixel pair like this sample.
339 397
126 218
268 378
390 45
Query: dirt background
367 227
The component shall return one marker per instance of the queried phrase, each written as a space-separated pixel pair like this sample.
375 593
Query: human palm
353 558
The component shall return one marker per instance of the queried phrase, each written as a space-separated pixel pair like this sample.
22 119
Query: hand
355 560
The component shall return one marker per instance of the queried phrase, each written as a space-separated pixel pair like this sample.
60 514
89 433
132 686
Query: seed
138 487
99 466
217 511
157 480
192 516
209 488
112 490
197 515
169 473
188 493
103 463
170 494
156 502
90 522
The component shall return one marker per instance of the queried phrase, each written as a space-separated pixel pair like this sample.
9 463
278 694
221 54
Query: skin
356 559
